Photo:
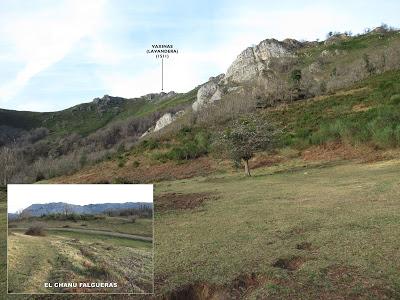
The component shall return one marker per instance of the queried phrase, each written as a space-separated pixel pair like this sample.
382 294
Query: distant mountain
60 207
12 216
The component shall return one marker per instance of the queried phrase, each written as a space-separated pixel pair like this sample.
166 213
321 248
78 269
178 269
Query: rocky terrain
270 68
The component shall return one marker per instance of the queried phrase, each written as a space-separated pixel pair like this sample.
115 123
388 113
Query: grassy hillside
368 112
87 118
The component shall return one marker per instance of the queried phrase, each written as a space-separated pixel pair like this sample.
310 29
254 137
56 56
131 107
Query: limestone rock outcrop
253 61
159 96
208 93
250 65
167 119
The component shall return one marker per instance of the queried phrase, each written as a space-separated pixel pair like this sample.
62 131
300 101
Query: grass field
142 226
331 231
293 231
110 249
34 260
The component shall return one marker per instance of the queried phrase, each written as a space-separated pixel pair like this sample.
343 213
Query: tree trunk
246 167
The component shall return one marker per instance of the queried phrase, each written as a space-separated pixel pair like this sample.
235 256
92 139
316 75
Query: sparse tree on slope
8 161
246 136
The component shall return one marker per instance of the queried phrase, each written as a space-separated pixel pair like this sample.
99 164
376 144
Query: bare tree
8 161
23 214
67 209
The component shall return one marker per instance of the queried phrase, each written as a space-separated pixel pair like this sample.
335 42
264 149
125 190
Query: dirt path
101 232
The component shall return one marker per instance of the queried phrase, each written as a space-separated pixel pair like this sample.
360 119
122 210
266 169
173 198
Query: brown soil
343 282
237 289
264 160
289 263
360 107
335 150
178 201
147 172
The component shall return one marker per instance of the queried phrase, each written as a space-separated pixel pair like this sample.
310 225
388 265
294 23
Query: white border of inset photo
21 196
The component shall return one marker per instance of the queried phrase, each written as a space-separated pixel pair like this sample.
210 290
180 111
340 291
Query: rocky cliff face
253 63
208 92
288 70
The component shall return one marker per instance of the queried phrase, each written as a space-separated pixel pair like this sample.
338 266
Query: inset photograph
80 238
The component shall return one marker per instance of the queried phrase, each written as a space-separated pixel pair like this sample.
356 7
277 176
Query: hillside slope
88 117
278 81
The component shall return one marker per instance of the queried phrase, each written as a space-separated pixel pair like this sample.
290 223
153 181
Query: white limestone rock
167 119
253 61
208 93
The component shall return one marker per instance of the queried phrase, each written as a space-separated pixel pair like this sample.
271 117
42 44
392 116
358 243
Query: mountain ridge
62 207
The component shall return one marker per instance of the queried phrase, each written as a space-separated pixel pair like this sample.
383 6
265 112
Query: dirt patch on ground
179 201
147 172
335 150
264 160
237 289
342 282
289 263
360 107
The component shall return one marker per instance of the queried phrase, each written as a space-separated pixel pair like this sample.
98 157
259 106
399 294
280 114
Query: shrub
191 143
395 99
37 229
120 180
150 144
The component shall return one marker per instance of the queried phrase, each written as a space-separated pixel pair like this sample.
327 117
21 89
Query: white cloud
41 38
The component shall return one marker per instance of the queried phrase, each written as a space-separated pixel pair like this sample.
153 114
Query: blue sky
55 54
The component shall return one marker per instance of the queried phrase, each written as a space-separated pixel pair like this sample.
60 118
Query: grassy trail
101 232
31 260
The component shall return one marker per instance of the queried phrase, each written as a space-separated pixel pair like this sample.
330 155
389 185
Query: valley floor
327 231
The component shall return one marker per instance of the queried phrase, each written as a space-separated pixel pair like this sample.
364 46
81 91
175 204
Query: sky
56 54
20 196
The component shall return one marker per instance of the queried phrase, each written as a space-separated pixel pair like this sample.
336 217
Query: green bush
395 99
150 144
190 144
378 126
